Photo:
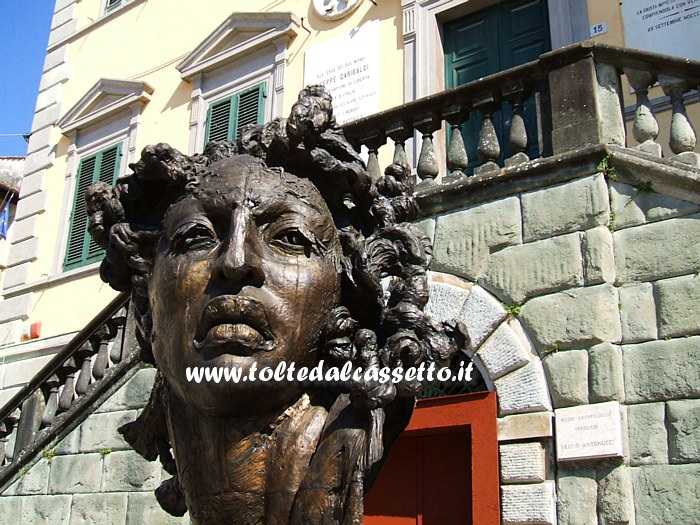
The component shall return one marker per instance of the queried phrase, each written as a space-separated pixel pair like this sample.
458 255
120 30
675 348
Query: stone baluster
4 435
400 132
517 137
115 354
457 159
488 149
373 165
683 137
50 388
428 167
373 141
645 128
70 369
8 431
6 428
102 336
83 356
29 420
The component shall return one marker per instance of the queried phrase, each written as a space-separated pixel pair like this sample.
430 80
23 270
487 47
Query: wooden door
443 470
491 40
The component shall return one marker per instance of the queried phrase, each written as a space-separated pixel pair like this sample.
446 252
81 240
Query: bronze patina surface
275 248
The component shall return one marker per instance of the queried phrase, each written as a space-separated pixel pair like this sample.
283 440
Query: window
111 5
101 166
237 75
226 117
102 128
423 35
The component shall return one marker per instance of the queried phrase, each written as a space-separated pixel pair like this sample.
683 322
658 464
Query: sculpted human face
245 276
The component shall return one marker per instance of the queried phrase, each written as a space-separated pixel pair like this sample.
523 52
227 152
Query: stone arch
511 366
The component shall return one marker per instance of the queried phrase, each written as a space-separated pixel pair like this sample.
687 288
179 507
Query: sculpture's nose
239 261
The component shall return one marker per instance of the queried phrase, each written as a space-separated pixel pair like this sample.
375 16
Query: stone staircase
93 365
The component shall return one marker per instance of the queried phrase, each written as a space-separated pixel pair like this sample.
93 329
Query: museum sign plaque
588 432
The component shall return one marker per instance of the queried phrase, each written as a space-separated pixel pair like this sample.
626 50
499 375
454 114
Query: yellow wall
68 307
170 29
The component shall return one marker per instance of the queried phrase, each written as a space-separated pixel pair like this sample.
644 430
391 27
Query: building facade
564 277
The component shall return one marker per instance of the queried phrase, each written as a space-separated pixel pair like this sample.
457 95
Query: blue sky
24 33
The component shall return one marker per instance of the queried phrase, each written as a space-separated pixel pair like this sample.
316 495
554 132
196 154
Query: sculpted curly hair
380 321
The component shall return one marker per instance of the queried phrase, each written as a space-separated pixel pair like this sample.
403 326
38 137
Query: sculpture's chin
242 400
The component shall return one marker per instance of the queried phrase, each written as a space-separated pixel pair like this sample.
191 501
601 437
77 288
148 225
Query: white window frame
114 106
198 122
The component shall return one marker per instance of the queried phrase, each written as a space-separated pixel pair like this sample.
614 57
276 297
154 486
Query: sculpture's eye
193 236
291 240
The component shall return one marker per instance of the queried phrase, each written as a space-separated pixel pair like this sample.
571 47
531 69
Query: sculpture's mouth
233 325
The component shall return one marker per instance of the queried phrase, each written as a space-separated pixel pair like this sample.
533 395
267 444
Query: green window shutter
102 166
226 117
78 221
109 164
107 172
251 107
219 120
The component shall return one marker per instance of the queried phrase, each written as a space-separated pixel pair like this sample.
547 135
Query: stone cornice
222 46
633 166
107 97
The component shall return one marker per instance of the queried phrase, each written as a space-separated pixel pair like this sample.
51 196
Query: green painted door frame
494 39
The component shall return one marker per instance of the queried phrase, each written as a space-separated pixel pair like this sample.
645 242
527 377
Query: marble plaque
348 65
588 432
671 27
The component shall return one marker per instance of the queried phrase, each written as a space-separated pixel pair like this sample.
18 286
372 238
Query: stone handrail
65 388
579 102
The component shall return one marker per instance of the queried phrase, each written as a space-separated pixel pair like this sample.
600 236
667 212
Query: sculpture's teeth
223 333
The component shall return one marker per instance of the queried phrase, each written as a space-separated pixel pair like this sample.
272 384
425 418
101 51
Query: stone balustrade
577 98
646 128
448 111
59 393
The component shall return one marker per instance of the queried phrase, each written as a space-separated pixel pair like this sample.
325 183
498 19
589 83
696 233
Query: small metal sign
599 29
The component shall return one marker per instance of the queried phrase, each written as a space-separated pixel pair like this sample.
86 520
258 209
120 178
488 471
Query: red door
443 470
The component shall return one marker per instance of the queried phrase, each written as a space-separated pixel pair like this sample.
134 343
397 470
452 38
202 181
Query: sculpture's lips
235 325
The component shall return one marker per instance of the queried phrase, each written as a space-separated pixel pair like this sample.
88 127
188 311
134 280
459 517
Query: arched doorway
445 467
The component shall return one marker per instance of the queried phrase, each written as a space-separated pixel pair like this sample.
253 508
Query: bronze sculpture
275 248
